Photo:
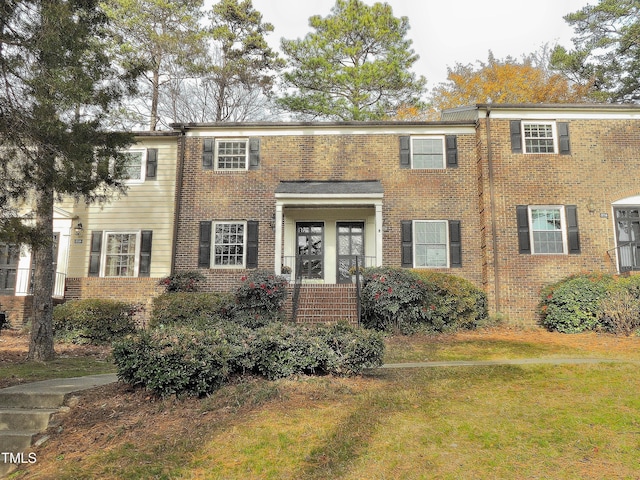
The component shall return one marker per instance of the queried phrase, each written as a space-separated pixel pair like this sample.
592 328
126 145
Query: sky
446 32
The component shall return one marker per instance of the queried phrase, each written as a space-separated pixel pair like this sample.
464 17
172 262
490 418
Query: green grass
524 422
61 367
403 349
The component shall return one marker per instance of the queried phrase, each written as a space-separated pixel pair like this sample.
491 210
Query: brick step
325 304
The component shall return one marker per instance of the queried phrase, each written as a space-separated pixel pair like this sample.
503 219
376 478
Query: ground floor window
229 241
430 243
547 232
120 254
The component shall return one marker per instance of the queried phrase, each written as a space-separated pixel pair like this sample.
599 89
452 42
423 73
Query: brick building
510 197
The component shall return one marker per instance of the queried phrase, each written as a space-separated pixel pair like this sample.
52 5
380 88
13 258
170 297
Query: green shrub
572 305
417 300
254 318
93 321
182 281
181 360
455 302
261 290
181 308
393 300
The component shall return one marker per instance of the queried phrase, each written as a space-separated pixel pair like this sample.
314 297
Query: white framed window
135 166
428 152
120 255
430 243
232 154
539 137
229 244
548 229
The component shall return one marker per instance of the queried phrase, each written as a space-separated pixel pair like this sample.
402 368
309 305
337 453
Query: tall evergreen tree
355 65
57 87
607 50
160 37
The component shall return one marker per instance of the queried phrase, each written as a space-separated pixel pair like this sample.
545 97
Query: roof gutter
492 209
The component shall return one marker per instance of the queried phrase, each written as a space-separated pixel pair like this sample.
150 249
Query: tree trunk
41 344
155 95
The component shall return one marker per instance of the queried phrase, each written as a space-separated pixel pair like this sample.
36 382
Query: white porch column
278 250
378 234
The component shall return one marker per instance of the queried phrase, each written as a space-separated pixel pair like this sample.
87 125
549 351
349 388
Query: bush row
592 301
407 301
182 360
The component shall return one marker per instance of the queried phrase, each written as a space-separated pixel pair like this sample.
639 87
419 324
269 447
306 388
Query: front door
350 245
309 250
628 237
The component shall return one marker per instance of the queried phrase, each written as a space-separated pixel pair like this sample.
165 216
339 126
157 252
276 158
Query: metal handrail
296 290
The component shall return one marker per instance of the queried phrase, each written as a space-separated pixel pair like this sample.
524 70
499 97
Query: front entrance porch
324 228
626 215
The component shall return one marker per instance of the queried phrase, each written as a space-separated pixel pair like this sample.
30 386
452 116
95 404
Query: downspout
492 199
178 198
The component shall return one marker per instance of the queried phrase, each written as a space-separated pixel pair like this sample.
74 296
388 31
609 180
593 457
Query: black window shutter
407 243
572 229
207 153
152 163
254 153
515 128
455 244
204 245
563 138
523 229
405 152
94 255
252 244
452 151
145 253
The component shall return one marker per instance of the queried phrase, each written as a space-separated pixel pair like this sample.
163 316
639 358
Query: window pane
538 138
228 246
232 154
133 166
120 257
431 244
428 153
546 226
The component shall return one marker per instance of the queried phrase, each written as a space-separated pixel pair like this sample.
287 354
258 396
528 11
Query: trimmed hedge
189 308
93 321
408 301
183 360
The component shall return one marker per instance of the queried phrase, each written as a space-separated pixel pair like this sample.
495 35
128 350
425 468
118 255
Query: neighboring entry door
628 237
9 258
350 245
309 249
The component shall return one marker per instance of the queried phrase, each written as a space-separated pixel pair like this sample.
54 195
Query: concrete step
15 440
25 418
30 399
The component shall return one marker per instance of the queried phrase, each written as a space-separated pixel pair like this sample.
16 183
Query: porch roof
330 187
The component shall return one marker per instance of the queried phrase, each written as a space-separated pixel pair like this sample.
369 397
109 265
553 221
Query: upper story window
427 152
231 154
421 152
539 137
135 166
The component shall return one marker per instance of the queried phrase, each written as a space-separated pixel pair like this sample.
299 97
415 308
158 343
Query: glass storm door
628 238
309 249
350 245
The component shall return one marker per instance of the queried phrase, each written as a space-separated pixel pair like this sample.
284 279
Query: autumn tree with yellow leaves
505 81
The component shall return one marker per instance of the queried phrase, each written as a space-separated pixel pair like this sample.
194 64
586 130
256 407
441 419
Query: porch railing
628 256
19 281
295 299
